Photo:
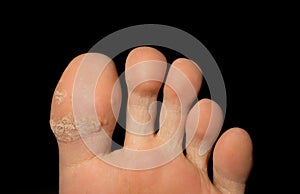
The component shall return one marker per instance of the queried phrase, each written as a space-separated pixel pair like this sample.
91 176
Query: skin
82 172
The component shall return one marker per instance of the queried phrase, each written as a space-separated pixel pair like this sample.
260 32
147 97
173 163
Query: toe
144 74
203 125
83 108
182 85
232 161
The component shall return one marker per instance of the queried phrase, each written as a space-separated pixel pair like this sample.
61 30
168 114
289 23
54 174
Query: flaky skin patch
59 96
64 129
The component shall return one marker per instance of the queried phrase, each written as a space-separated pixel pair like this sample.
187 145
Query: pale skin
81 171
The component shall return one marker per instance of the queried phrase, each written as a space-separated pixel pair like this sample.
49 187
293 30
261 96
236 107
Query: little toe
232 161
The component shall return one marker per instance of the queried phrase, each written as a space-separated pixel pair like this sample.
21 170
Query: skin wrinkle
226 185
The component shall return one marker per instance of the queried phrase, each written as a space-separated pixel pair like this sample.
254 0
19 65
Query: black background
40 53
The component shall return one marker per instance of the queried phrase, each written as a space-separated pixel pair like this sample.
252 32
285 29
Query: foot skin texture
84 111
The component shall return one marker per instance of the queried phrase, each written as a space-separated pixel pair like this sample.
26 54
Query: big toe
84 109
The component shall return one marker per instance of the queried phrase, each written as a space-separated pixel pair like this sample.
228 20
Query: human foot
149 162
